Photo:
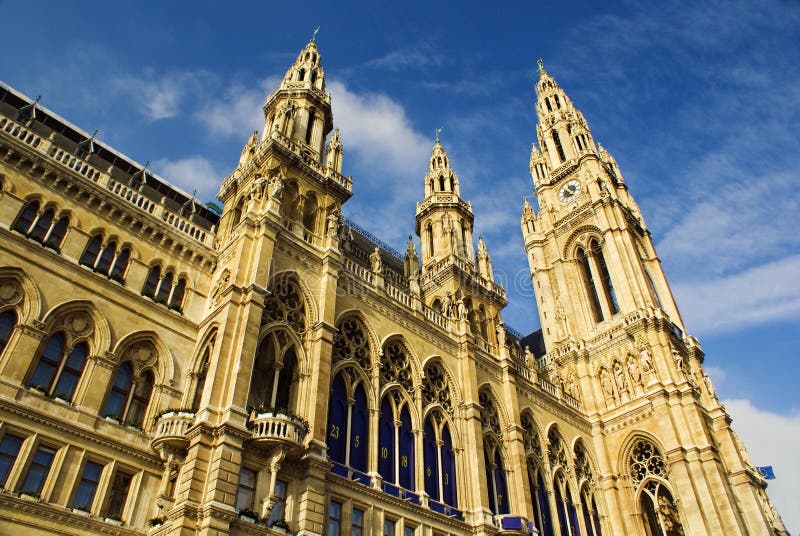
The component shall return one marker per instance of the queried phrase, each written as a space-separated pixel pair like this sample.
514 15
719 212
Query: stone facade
168 370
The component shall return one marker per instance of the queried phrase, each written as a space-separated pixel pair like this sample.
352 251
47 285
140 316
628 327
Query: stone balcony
275 428
170 430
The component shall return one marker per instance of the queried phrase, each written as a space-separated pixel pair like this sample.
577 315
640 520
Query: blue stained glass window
573 518
448 468
561 507
386 448
49 362
337 421
406 460
65 387
9 449
500 483
359 436
118 396
431 455
546 519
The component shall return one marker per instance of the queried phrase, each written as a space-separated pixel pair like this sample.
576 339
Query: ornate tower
608 317
454 281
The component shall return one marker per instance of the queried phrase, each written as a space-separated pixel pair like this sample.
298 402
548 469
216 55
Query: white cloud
772 439
161 96
239 111
379 132
192 173
767 292
414 58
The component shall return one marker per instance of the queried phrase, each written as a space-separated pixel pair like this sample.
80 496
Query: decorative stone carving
619 377
435 388
375 261
351 342
396 368
334 221
79 324
645 358
142 352
10 292
275 187
606 383
633 370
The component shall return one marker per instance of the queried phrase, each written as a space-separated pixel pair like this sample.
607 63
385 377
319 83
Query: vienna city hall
275 369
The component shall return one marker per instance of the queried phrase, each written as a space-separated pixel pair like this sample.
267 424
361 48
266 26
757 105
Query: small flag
767 472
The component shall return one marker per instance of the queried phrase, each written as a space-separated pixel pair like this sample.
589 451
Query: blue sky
699 103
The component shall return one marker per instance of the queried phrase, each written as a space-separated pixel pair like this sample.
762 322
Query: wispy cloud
419 57
769 438
162 96
238 111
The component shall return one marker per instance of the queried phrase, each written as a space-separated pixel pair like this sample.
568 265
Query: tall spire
300 109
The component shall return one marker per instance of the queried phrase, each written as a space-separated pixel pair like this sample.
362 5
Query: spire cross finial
314 35
438 131
540 63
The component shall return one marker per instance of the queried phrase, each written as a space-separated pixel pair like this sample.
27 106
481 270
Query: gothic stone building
166 370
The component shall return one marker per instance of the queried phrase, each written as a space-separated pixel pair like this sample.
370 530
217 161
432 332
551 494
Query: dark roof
68 136
535 341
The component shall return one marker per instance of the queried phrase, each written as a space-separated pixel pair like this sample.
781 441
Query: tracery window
350 342
492 454
396 455
597 281
164 290
59 367
274 382
648 473
202 372
285 304
565 506
542 517
438 450
585 477
129 396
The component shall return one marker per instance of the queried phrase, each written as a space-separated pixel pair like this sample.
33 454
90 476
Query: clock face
568 192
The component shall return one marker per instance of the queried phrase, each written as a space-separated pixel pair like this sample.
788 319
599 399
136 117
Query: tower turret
299 109
444 220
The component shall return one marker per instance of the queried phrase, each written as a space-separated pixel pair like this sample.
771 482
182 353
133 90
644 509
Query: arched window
648 472
106 258
452 184
348 428
42 225
236 217
274 380
310 213
8 320
128 399
441 183
589 285
542 518
59 368
605 277
310 127
495 477
439 463
559 148
301 75
202 373
120 265
176 300
567 514
396 453
89 257
26 217
313 77
585 478
164 288
151 282
652 287
429 234
57 233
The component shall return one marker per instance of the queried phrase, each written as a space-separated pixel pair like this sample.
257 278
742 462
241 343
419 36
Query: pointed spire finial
314 35
540 63
438 131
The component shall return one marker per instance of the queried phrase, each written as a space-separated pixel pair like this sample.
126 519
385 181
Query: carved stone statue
678 358
461 309
530 359
275 187
413 286
333 223
605 383
375 261
709 386
562 327
447 305
633 370
619 376
501 334
645 359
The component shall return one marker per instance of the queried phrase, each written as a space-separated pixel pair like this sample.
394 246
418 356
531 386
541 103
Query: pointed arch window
57 233
648 472
120 265
42 225
652 288
348 427
89 257
591 518
441 183
164 288
605 277
439 464
26 217
559 148
542 518
176 299
106 258
59 368
396 446
274 381
236 217
202 373
151 282
129 397
312 116
8 321
495 477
